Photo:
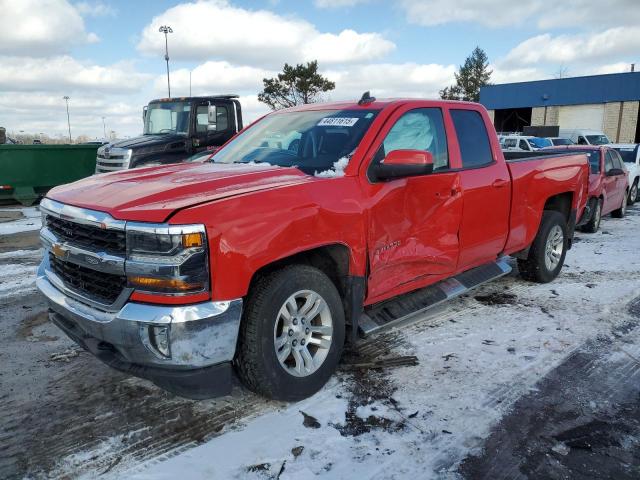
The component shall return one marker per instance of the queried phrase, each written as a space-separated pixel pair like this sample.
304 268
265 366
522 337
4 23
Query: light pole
104 128
166 29
66 99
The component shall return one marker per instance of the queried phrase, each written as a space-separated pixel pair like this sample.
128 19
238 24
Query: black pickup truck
175 129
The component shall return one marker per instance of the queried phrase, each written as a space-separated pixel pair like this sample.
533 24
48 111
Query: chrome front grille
104 288
87 236
112 159
86 252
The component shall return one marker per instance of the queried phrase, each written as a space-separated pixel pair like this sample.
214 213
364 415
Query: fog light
159 339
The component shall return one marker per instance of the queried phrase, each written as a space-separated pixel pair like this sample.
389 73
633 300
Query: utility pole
166 29
104 128
66 99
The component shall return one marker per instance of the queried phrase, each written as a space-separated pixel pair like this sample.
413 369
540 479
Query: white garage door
588 117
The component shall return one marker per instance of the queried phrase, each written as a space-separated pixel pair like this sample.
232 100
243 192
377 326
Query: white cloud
506 13
572 48
391 80
491 13
216 29
40 112
65 74
213 77
95 9
337 3
39 28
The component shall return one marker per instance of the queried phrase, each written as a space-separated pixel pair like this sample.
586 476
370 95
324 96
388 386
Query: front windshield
628 154
562 141
312 141
167 117
598 139
540 142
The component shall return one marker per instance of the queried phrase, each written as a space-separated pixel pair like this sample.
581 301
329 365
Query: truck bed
563 174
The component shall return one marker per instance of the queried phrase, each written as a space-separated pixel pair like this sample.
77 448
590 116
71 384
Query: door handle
499 183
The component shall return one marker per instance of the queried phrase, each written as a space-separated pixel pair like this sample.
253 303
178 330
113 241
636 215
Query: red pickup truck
314 225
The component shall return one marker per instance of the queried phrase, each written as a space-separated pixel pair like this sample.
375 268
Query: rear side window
472 137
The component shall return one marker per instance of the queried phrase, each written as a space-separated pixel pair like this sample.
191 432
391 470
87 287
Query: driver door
204 138
413 221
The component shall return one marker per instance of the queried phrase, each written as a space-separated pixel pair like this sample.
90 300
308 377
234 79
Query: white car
524 143
580 136
630 153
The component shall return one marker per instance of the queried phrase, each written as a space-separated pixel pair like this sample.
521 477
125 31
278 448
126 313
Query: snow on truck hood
152 194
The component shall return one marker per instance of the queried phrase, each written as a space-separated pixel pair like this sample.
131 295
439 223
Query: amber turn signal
163 283
192 240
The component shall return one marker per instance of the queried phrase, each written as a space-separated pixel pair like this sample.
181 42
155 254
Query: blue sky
108 55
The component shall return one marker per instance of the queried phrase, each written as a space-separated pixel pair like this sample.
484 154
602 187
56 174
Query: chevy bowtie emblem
59 251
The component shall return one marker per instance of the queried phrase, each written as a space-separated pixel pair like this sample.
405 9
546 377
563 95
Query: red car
608 183
314 222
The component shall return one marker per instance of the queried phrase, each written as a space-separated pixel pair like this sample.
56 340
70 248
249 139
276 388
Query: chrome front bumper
201 335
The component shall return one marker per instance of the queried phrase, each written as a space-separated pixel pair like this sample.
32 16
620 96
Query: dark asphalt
582 422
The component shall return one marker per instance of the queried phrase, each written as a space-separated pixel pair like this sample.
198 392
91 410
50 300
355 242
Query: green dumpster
27 172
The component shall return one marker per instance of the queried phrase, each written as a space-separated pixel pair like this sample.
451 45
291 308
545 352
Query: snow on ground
18 279
31 221
476 357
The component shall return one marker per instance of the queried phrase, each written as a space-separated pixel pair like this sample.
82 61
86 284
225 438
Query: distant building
607 103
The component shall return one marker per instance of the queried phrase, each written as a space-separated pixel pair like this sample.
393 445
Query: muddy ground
64 414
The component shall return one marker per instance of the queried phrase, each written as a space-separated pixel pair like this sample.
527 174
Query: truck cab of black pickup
174 129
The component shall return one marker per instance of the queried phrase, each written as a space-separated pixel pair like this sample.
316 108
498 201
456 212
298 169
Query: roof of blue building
614 87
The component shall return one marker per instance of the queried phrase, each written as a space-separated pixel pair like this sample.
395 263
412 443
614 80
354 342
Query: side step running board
395 311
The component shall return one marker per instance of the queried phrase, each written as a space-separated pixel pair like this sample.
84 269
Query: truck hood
149 141
152 194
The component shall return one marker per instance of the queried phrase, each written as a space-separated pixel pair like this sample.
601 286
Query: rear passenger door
486 190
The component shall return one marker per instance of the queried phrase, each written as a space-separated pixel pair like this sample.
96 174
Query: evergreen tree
470 77
295 86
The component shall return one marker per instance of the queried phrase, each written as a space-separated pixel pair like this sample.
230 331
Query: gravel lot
515 380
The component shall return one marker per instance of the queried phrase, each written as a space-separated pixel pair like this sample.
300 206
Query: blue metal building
608 103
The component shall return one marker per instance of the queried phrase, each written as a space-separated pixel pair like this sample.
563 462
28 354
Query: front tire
548 250
292 333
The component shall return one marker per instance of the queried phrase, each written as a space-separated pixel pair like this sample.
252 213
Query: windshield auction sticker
337 122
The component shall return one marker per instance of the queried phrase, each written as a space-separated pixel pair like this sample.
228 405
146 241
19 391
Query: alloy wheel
302 333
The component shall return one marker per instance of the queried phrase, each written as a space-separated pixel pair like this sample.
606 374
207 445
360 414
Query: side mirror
614 172
212 112
403 163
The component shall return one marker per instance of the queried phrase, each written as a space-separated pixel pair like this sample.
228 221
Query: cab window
202 118
524 145
473 138
617 161
582 140
419 129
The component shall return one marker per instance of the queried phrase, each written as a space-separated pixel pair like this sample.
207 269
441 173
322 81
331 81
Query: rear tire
548 250
593 224
633 193
622 211
289 348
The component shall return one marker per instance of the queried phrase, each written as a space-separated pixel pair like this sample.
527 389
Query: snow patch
336 171
31 221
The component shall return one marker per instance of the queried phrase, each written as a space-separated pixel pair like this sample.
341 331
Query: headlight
169 259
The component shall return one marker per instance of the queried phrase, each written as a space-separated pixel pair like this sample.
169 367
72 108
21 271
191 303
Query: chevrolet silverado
262 261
